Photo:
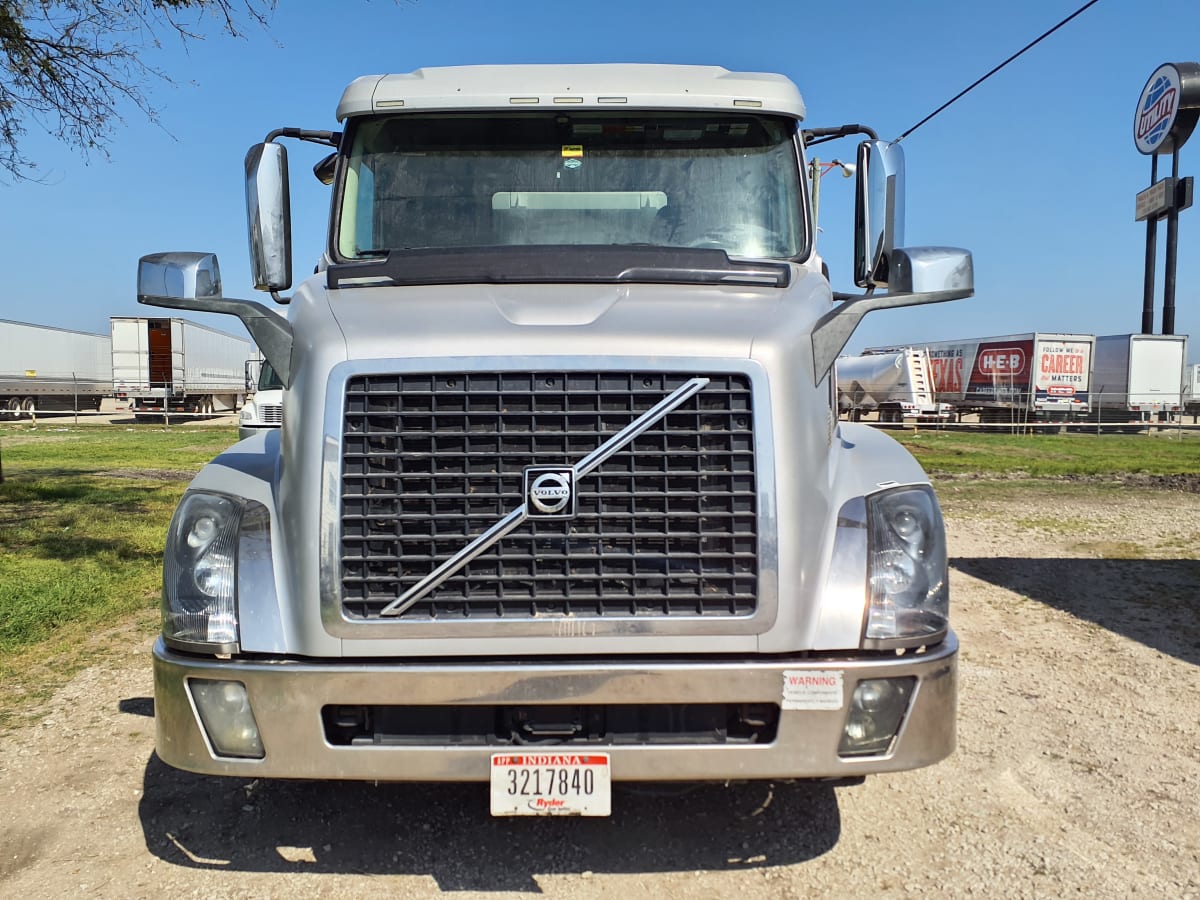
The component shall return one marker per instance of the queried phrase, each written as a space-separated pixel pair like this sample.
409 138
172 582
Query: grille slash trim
360 468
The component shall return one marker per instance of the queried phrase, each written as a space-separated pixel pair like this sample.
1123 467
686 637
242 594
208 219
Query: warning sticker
812 690
572 151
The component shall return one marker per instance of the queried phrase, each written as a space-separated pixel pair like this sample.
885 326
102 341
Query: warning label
812 690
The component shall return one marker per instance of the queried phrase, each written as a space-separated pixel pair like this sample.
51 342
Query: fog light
224 708
876 711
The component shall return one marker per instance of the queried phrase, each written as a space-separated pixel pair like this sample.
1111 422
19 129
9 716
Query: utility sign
1167 109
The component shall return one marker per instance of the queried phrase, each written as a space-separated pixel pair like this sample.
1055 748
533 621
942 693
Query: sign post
1166 114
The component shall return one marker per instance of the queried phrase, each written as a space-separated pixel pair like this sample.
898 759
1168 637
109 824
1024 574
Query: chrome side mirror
878 211
269 217
179 276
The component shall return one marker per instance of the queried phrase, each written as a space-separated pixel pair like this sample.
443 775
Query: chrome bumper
287 697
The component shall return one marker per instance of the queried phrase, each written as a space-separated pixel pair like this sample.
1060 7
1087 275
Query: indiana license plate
551 784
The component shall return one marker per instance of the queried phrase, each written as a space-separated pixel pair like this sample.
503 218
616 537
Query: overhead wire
984 78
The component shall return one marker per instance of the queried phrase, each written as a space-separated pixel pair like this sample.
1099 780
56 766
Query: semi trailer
895 385
165 365
1139 377
1015 378
561 496
43 368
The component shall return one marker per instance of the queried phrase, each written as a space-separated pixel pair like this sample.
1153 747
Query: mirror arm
833 329
271 332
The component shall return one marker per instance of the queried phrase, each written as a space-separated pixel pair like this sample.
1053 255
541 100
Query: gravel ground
1077 773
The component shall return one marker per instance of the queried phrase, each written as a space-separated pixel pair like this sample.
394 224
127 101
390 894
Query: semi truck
897 386
263 408
561 496
1139 377
1191 390
43 368
171 365
1014 379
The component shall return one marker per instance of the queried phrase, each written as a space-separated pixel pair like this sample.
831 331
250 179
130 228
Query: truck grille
271 413
666 527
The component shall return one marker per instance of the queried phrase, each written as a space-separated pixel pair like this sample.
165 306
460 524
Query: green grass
83 515
1049 456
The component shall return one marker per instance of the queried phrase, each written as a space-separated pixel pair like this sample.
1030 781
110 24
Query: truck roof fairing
565 87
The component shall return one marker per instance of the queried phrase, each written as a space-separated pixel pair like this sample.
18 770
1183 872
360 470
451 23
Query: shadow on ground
444 831
1154 602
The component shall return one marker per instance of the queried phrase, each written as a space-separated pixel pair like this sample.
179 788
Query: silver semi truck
561 498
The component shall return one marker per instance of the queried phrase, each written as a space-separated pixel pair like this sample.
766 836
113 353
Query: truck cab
562 487
264 408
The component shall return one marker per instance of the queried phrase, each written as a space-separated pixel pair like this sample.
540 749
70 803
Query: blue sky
1035 171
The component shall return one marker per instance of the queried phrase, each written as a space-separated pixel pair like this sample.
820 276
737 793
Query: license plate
551 784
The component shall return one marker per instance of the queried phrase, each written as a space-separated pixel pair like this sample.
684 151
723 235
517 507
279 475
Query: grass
83 514
1052 455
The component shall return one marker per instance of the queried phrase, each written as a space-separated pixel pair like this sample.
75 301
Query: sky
1035 171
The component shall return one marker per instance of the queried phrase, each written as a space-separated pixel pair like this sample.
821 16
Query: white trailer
898 385
47 368
1139 377
173 365
1014 378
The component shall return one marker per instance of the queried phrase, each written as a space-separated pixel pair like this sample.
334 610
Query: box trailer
897 385
173 365
1139 377
1014 378
46 368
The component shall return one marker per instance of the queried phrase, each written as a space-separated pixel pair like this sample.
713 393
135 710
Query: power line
980 81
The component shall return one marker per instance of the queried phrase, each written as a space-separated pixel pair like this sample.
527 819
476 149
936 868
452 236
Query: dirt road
1077 773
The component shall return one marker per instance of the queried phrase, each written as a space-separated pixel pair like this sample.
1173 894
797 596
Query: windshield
705 180
268 380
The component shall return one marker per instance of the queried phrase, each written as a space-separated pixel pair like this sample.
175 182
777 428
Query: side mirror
878 211
269 217
918 275
193 281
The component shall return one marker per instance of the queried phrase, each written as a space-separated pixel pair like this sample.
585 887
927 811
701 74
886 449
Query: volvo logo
549 492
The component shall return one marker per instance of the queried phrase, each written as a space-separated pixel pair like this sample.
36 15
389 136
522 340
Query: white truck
1191 390
263 408
43 368
164 365
896 385
1013 379
1139 377
561 497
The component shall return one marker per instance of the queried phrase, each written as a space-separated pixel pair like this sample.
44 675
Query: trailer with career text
1015 378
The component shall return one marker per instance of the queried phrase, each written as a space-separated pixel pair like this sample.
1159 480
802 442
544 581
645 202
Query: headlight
247 413
909 599
200 569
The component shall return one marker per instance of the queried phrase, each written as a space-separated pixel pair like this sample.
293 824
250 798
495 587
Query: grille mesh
665 527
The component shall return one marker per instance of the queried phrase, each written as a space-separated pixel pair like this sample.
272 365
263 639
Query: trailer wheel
209 405
12 408
28 405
